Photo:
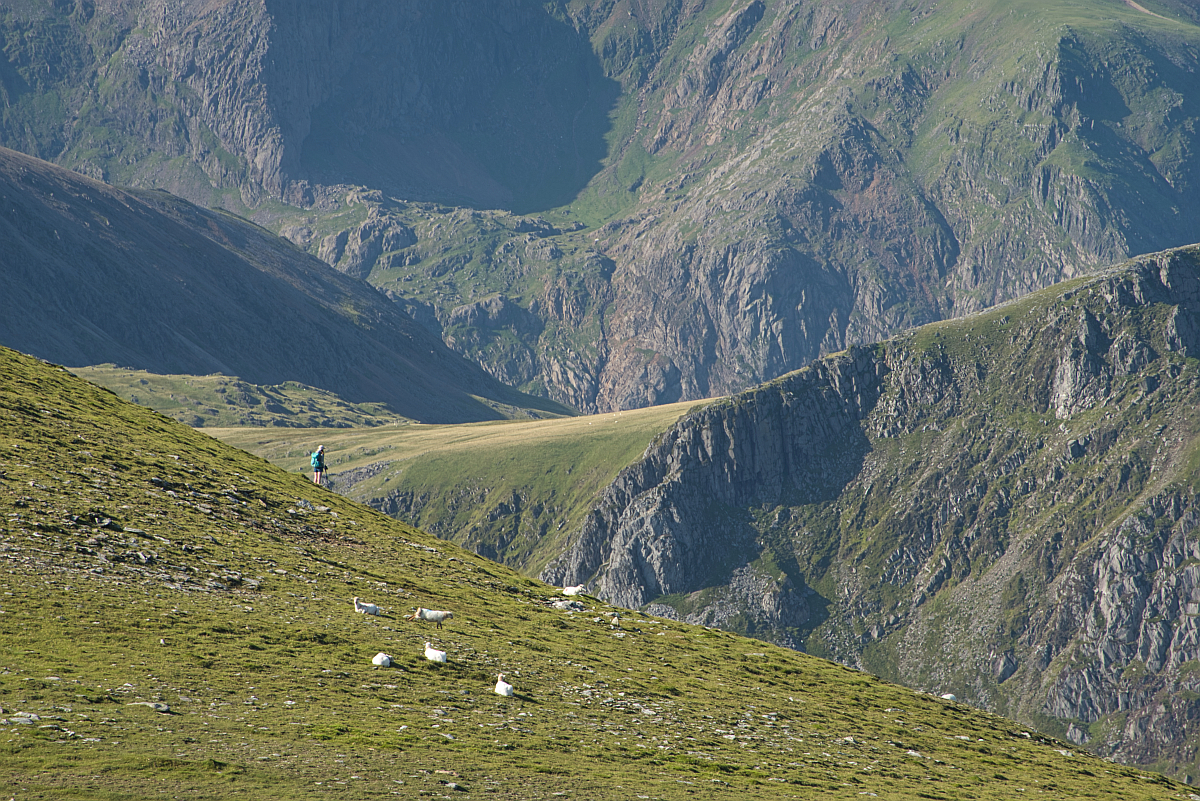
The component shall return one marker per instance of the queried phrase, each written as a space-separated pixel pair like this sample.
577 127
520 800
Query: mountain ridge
975 506
1001 506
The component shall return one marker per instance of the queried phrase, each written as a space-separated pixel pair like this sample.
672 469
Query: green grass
218 400
550 471
146 562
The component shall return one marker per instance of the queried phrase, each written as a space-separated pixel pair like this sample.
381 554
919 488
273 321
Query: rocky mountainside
496 104
91 274
616 203
1004 507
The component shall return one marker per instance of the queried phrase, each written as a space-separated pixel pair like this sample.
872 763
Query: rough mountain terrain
1004 507
616 203
1001 506
90 274
669 200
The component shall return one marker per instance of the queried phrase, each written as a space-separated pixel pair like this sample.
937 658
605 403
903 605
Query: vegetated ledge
177 611
1002 506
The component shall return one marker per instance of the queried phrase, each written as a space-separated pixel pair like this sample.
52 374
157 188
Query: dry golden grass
350 448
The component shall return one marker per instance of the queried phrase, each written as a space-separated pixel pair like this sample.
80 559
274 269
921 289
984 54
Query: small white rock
155 705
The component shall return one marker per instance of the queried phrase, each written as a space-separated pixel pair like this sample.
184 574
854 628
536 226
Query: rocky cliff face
496 104
794 177
726 191
1003 507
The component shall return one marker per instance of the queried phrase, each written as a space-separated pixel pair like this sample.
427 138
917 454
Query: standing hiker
318 464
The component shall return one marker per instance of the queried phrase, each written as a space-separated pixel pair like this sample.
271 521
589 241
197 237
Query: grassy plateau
542 476
177 621
219 400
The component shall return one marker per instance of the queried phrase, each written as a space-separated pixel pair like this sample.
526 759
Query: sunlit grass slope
147 563
540 476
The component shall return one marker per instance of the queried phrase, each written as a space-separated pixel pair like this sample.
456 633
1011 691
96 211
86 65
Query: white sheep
364 607
381 659
432 615
503 687
578 589
433 654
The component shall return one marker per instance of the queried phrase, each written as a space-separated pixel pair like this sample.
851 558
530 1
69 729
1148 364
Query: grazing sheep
433 654
432 615
381 659
503 687
578 589
364 607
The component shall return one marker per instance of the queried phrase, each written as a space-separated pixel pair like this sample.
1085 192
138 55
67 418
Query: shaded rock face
1003 507
660 528
494 103
1136 601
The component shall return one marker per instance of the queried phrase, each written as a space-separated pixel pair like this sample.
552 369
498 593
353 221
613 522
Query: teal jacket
318 461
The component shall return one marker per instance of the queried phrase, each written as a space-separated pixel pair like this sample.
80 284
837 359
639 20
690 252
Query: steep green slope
147 564
510 491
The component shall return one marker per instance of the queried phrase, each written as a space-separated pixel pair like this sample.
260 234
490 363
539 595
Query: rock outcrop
655 532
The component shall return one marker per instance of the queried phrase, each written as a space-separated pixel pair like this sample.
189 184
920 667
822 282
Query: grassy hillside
219 400
148 564
511 491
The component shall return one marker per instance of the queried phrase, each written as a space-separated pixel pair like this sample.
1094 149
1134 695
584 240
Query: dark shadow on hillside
483 105
95 275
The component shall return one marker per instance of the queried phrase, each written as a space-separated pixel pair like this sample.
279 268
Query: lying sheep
364 607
